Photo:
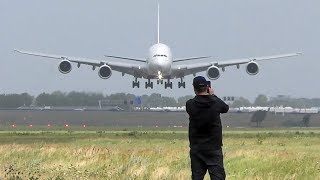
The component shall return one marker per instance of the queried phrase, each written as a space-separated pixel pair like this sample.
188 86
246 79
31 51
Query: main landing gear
149 84
135 83
168 84
181 84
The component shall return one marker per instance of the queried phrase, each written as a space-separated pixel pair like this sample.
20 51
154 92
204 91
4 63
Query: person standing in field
205 131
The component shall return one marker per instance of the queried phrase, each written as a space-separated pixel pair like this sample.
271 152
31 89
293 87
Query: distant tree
155 100
258 117
261 100
182 100
25 99
75 99
145 101
15 100
117 96
292 102
315 102
56 98
168 101
280 101
83 99
130 97
306 120
42 99
241 102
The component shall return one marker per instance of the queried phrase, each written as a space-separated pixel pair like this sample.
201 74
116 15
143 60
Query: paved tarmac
139 119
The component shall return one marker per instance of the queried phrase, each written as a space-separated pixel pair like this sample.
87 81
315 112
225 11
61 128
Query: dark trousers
203 160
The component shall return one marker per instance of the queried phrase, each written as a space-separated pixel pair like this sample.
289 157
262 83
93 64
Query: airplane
158 65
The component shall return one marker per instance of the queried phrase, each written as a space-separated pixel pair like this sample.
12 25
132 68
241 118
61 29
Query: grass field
150 154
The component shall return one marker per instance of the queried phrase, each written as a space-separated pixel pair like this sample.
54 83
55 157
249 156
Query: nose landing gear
159 81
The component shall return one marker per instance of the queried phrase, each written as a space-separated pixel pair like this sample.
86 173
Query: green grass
163 154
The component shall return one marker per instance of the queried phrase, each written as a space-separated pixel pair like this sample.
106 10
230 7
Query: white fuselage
159 62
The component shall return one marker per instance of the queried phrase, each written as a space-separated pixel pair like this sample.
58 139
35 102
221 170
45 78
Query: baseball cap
200 81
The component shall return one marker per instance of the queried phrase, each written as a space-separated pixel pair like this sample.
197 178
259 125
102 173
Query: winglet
20 51
16 50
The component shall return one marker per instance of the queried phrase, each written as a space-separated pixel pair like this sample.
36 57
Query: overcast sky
222 29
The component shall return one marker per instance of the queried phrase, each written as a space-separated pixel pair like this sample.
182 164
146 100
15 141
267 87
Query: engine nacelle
213 73
252 68
65 66
105 72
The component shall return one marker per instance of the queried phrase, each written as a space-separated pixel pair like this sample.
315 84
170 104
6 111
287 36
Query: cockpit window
159 55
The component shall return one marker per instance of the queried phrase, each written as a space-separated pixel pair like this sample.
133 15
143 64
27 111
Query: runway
138 119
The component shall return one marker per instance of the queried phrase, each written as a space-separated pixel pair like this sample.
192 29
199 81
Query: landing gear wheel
168 85
181 84
135 83
149 84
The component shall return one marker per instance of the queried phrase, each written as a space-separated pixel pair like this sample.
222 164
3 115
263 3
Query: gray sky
222 29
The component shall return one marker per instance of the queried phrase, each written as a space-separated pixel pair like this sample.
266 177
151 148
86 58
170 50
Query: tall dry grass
150 155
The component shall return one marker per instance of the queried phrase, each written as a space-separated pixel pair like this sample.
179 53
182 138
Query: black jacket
205 129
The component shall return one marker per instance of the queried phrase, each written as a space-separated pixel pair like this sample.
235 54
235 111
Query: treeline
264 101
59 98
15 100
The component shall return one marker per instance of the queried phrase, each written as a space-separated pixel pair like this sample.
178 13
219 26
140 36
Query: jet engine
65 66
252 68
213 73
104 72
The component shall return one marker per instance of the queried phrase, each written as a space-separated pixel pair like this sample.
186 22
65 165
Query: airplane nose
163 64
162 61
160 65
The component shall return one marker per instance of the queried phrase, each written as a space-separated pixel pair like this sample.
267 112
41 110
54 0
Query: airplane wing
126 68
193 58
181 70
125 58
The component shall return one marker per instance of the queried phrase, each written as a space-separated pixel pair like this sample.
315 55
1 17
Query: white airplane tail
158 37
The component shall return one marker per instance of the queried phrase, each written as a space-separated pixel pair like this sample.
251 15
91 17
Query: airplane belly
155 69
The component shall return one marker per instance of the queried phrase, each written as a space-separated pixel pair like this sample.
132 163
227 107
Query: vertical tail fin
158 25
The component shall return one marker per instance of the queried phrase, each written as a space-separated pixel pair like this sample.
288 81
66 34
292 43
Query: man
205 131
